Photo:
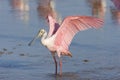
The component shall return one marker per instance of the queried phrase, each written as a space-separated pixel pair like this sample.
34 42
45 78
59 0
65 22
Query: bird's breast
49 43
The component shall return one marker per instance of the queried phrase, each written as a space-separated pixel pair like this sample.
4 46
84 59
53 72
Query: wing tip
67 54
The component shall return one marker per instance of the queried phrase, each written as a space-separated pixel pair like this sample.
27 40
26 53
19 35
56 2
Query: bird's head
41 32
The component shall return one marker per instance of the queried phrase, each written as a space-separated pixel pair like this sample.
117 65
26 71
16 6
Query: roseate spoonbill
60 36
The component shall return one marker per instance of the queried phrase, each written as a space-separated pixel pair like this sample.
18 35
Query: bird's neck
43 38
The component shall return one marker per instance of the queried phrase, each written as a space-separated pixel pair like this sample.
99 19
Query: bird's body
60 36
48 42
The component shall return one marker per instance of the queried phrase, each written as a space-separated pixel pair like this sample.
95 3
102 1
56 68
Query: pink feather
53 26
71 25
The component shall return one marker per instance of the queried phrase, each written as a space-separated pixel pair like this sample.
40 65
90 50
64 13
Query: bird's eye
41 32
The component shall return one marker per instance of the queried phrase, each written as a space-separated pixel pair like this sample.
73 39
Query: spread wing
53 26
71 25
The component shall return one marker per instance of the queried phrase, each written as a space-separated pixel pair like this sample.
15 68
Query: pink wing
71 25
53 26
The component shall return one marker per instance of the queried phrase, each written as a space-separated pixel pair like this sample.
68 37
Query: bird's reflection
21 9
115 11
66 75
116 3
47 7
98 8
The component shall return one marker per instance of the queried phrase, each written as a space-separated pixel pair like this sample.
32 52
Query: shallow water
95 52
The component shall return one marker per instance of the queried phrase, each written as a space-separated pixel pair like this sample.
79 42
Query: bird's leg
55 64
60 64
54 58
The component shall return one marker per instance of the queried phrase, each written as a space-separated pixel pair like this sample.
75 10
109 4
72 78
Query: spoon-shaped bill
31 42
